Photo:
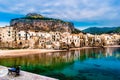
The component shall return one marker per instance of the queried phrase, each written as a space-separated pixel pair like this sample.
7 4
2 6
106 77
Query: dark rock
37 22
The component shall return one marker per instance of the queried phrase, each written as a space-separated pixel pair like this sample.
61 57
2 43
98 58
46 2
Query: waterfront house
6 36
37 39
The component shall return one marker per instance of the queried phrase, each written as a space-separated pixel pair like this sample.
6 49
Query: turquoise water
86 64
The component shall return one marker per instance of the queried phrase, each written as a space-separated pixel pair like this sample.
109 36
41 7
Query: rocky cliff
37 22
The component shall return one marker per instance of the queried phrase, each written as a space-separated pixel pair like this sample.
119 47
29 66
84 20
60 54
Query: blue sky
83 13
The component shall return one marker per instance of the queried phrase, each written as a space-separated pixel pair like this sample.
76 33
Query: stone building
6 36
11 38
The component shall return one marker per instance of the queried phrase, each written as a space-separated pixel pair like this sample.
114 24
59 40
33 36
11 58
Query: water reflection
62 62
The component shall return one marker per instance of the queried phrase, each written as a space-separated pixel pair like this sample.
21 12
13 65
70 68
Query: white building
6 34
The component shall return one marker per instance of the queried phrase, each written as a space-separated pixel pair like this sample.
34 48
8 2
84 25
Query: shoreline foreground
23 75
23 52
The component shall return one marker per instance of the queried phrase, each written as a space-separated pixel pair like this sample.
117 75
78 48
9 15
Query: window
19 35
8 34
8 31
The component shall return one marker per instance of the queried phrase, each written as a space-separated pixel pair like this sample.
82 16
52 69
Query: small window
8 31
19 35
8 34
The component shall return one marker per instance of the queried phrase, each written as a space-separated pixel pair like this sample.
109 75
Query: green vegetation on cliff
76 31
35 16
96 30
117 30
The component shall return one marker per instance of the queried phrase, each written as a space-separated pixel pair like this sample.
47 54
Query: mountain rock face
37 22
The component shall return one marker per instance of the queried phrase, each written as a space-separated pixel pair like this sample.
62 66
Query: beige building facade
53 40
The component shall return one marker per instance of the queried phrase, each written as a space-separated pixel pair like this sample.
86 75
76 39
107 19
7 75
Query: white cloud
77 10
